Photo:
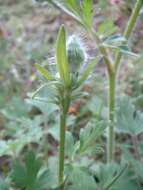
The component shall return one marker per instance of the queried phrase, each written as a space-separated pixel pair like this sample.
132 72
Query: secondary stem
112 81
112 101
129 28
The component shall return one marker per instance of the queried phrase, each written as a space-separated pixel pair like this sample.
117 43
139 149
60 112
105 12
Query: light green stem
112 101
102 49
62 149
112 81
129 28
63 117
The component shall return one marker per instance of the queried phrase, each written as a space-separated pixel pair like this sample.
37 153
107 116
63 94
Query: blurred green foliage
27 35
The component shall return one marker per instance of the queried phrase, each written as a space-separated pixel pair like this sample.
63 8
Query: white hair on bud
77 38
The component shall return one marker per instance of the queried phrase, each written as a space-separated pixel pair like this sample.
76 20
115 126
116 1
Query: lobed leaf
29 176
129 120
88 137
81 179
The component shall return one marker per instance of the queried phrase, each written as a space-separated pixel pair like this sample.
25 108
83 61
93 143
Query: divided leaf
89 136
80 11
129 120
115 177
119 43
28 176
81 179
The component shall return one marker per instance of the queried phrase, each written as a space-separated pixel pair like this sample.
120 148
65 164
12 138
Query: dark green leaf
29 175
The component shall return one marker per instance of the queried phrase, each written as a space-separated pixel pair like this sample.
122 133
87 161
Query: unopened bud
76 53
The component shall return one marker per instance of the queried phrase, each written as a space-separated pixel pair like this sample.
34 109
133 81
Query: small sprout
76 53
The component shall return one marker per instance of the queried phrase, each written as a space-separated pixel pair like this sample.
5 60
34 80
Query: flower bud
76 53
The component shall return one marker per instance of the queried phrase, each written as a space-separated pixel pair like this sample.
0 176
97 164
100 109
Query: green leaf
37 91
44 72
135 164
69 145
125 49
74 5
19 175
119 43
121 48
69 8
28 176
129 120
81 179
106 28
116 177
33 166
87 9
108 172
3 185
89 136
115 39
61 55
87 72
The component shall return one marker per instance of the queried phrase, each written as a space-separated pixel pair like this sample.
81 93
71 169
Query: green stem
101 48
112 81
62 149
63 118
129 28
112 101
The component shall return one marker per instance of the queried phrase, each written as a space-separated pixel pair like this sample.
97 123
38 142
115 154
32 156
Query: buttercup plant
69 58
83 13
77 121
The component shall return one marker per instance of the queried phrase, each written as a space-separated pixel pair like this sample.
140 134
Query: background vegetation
29 129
